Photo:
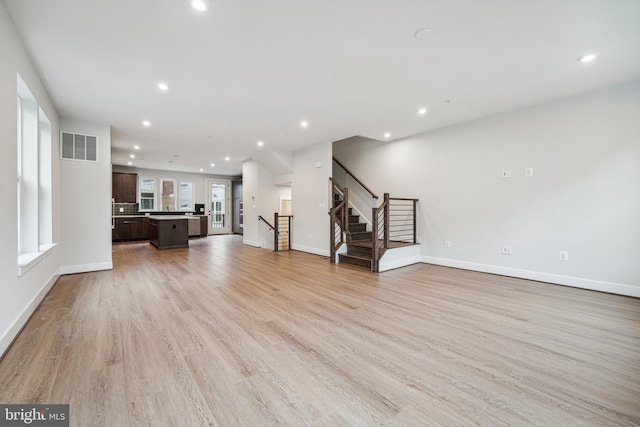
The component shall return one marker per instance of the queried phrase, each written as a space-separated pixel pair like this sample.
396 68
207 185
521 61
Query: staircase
392 230
359 243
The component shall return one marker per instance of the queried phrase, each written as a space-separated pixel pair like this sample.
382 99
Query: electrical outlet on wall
528 172
564 255
506 173
447 243
506 250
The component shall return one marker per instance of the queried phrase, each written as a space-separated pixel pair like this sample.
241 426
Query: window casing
186 196
168 196
147 194
34 181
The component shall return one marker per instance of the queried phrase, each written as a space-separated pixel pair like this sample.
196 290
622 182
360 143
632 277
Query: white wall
199 179
86 204
310 198
250 185
584 196
360 200
19 296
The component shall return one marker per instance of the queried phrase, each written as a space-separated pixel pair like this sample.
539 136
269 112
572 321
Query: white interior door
219 206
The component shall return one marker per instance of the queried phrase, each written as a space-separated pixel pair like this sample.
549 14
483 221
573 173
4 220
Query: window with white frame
147 194
168 196
186 196
34 190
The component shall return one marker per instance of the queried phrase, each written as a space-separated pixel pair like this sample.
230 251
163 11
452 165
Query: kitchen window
186 196
168 195
147 194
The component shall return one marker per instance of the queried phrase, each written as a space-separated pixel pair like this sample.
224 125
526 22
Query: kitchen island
169 231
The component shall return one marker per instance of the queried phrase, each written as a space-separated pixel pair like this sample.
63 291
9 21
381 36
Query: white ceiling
247 70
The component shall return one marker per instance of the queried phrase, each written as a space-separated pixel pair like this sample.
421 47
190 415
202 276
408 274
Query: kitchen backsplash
125 209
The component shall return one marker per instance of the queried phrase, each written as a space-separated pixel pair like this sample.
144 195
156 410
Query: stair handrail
355 178
338 215
260 217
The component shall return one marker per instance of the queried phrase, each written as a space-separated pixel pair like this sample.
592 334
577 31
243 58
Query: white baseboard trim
397 263
16 327
85 268
251 243
576 282
315 251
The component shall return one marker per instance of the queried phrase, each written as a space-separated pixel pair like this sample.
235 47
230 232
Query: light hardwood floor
231 335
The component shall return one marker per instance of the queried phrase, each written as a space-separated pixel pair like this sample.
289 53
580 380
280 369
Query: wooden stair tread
357 256
361 244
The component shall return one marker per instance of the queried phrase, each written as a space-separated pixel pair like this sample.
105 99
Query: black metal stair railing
339 223
282 233
394 225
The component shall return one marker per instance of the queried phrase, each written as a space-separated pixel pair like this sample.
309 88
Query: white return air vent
74 146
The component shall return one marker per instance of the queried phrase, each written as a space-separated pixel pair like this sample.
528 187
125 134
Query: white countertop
168 217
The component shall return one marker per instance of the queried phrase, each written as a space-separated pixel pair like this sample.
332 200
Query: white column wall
86 204
261 196
310 198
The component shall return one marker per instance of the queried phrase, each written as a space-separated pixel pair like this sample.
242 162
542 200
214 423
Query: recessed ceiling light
146 123
199 5
227 159
163 86
422 34
201 170
213 165
260 143
129 163
136 147
133 156
588 57
422 111
281 133
387 135
304 124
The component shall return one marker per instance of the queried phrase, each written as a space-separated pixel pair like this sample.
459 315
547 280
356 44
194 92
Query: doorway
285 206
284 225
218 206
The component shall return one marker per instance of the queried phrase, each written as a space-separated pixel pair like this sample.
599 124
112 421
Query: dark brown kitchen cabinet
204 226
128 228
124 187
167 232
